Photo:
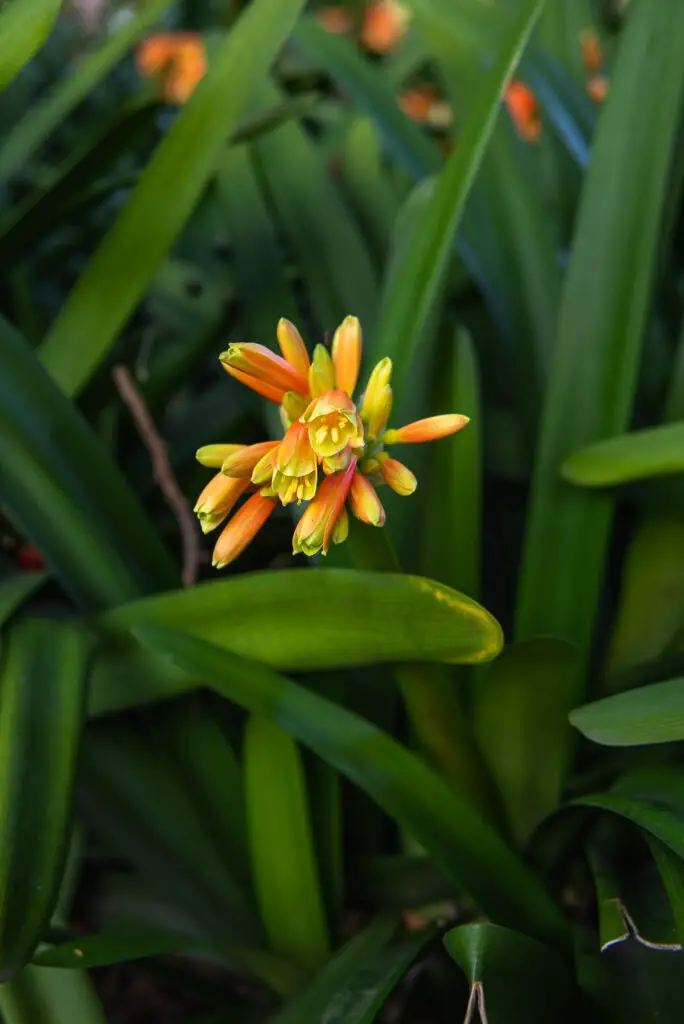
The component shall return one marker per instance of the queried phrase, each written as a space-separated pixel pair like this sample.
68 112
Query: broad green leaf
607 291
464 847
39 995
632 983
24 27
657 451
649 714
520 714
417 285
38 123
123 266
42 703
353 987
58 482
514 979
16 589
325 618
283 858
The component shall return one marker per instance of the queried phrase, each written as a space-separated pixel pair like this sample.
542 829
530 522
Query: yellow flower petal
346 354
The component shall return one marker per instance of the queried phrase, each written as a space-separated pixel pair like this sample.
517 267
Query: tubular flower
332 454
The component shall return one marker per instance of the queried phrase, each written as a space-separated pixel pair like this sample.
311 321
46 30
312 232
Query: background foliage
297 793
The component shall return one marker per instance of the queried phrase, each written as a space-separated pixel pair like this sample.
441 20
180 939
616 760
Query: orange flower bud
364 501
177 59
258 361
430 429
214 455
241 463
292 346
346 354
273 394
217 499
321 372
397 476
315 529
242 529
597 88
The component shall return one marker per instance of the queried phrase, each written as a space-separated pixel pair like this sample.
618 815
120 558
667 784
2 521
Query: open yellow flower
332 454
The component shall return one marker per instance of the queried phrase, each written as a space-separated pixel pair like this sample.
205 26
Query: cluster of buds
332 454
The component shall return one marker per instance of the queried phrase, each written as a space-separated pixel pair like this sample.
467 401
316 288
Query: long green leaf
520 714
42 703
122 268
60 486
418 283
281 845
467 850
297 619
658 451
513 978
15 589
42 996
607 291
22 142
650 714
24 26
671 870
353 986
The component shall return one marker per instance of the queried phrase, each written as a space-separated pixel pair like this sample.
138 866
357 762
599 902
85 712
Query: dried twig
163 474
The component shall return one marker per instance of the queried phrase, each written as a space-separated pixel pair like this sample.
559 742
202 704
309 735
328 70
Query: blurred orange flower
423 104
176 60
384 25
335 19
592 54
523 107
597 88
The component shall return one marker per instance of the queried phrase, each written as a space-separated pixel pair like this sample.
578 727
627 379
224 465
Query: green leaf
283 858
16 589
651 607
466 849
60 486
42 703
143 801
297 619
417 285
607 290
452 536
106 948
38 123
671 870
123 266
42 996
24 27
514 979
520 714
353 987
326 242
657 451
649 714
370 92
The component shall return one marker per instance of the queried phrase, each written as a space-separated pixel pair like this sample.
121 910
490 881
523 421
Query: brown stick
163 474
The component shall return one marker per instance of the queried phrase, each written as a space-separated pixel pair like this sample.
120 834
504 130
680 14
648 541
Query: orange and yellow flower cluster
332 454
